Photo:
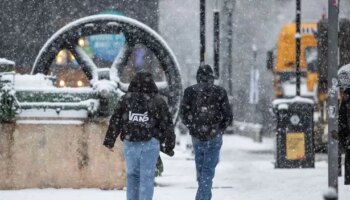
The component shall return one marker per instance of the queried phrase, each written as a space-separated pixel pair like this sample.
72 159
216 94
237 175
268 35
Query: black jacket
205 81
343 120
142 87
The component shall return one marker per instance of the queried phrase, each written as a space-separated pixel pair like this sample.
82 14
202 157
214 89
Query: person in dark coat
144 123
344 131
206 112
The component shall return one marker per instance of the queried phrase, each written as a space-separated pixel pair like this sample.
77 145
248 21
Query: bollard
331 194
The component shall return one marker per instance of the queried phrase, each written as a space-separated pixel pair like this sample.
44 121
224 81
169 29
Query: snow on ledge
37 81
61 122
52 113
4 61
296 99
282 106
344 69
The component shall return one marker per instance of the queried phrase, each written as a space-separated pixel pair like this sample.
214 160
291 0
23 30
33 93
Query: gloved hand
167 151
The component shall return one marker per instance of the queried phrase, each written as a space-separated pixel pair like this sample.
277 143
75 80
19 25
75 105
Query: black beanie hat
205 74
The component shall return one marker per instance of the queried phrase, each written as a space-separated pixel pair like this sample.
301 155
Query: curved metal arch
134 32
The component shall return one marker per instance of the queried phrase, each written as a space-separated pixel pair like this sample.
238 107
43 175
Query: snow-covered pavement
245 172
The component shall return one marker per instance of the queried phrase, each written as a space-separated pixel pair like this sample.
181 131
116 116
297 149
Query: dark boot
159 167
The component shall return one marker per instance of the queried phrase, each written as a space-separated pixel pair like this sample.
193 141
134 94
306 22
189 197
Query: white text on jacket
138 117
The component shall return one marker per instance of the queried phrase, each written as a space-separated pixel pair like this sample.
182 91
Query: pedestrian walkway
245 171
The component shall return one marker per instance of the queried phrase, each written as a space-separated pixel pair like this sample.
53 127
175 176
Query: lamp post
229 4
216 41
333 12
202 31
298 41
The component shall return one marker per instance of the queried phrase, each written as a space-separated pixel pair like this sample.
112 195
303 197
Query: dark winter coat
142 88
344 133
343 120
205 79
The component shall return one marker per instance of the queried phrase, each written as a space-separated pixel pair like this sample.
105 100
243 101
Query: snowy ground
245 171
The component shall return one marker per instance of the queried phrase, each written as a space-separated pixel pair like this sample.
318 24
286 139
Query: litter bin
294 136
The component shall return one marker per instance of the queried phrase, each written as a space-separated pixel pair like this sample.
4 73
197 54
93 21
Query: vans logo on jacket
138 117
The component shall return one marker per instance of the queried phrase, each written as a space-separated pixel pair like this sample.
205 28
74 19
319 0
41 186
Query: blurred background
26 25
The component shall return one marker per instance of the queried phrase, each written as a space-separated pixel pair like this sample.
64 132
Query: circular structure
135 33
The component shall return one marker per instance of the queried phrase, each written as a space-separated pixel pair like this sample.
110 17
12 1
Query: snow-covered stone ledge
52 153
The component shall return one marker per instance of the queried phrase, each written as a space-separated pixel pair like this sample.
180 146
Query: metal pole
298 41
333 11
229 41
202 31
217 43
258 136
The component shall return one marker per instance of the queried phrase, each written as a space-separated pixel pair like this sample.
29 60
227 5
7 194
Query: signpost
333 11
107 46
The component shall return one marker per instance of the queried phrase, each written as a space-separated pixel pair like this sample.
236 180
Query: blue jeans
141 158
207 157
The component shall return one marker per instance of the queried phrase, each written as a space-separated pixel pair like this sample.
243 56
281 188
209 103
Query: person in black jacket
344 131
206 112
145 126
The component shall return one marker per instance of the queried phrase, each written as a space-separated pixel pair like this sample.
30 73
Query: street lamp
229 4
216 36
332 101
298 41
202 31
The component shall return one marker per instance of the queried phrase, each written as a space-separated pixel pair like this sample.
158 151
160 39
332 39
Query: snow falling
65 66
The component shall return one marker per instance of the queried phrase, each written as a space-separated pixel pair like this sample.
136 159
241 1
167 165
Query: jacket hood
205 74
143 83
